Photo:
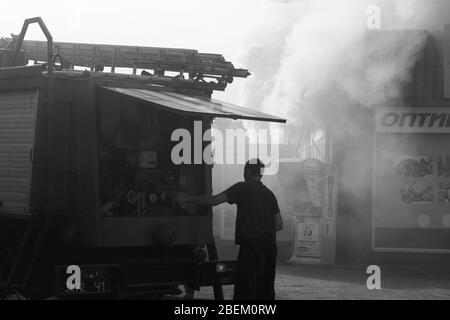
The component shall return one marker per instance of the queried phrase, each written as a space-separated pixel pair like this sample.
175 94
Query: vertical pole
74 54
135 61
50 117
113 68
447 61
212 249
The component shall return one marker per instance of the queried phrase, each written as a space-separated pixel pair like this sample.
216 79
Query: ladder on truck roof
200 67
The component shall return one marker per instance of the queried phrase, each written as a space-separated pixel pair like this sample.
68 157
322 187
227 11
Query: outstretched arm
204 200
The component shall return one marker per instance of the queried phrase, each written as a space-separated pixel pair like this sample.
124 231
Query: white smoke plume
314 60
310 56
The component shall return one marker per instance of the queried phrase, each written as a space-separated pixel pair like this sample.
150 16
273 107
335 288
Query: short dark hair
255 168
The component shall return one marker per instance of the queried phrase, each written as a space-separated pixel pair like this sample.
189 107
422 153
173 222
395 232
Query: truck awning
195 105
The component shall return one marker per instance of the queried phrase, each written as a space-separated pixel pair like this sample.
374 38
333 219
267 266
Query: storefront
394 170
411 185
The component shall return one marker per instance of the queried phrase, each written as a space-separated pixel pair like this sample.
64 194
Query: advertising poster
411 207
308 240
315 189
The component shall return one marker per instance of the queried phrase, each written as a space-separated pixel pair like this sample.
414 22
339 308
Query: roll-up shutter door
18 112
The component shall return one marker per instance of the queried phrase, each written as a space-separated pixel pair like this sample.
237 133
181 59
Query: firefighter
257 222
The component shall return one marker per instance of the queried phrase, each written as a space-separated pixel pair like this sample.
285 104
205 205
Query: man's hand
182 199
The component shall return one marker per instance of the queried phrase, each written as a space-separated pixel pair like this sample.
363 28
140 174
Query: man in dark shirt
257 222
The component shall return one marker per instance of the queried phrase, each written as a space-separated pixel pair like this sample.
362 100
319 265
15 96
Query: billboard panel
411 191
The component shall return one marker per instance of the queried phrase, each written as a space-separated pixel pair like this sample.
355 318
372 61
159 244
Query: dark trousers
256 268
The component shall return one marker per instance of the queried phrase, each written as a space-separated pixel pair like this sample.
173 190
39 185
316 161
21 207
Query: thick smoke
304 47
315 54
313 60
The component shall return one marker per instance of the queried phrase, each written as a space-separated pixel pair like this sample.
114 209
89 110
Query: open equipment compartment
138 178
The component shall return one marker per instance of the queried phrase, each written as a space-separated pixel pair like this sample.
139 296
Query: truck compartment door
18 110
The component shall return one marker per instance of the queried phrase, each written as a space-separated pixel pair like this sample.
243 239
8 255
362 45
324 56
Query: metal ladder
99 56
184 65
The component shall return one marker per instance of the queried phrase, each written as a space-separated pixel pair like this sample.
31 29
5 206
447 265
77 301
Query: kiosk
315 216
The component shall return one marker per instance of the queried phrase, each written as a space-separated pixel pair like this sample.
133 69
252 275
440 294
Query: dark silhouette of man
257 222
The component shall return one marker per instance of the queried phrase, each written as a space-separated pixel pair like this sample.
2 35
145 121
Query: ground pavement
302 282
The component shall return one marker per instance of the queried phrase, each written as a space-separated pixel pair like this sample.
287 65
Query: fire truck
86 177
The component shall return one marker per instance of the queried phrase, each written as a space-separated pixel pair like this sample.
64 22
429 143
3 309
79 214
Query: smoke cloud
309 57
314 60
